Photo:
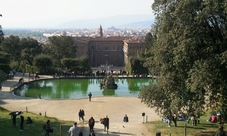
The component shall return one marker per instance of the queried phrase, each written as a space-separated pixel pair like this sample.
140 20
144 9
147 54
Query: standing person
91 123
175 120
89 95
74 130
21 123
92 133
13 116
125 119
80 114
220 131
47 128
106 124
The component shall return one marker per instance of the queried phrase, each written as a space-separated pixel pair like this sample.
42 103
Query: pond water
79 88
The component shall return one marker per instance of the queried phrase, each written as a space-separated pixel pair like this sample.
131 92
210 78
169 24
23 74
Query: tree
69 63
12 46
189 56
43 63
61 47
31 48
137 66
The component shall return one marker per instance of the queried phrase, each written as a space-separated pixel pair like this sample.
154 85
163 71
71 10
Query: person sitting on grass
29 120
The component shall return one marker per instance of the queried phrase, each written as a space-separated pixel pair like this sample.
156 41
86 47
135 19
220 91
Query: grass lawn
204 128
34 129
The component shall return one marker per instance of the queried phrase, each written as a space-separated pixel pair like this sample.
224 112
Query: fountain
108 83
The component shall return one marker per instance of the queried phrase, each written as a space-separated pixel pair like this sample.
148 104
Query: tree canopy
189 56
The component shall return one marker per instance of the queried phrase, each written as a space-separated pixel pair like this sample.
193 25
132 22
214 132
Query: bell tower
100 31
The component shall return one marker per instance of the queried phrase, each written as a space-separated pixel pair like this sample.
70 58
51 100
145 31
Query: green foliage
31 48
61 47
14 65
137 66
2 78
21 50
30 69
4 57
43 63
5 67
69 63
82 65
12 46
189 55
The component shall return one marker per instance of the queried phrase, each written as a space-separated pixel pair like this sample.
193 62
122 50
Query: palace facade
109 51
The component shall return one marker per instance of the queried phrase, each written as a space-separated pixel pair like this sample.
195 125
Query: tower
100 31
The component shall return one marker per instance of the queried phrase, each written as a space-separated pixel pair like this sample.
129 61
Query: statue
108 83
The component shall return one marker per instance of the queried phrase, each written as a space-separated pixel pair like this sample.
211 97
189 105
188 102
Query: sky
49 13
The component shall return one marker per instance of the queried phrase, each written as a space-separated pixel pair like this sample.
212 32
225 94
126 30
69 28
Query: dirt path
114 107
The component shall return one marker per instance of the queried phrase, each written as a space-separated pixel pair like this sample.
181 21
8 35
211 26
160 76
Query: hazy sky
39 13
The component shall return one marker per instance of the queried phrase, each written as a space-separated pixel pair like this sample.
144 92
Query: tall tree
62 47
31 48
12 46
189 56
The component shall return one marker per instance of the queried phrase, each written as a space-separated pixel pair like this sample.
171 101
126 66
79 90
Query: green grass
204 128
34 129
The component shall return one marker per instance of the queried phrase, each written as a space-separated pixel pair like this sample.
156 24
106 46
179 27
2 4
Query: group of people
28 121
81 115
75 131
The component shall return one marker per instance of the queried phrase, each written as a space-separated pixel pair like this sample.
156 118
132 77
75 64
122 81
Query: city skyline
53 13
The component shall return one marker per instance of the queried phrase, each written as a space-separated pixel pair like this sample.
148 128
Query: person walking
89 95
80 114
13 116
74 130
91 123
220 131
47 128
106 124
125 119
21 123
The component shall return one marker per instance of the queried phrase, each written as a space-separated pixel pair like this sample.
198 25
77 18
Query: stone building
108 51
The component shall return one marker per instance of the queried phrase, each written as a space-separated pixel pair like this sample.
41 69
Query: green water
79 88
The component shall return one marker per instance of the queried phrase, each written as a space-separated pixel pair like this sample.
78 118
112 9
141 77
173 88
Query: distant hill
128 21
142 24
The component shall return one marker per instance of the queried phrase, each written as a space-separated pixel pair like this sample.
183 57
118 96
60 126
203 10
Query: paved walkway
114 107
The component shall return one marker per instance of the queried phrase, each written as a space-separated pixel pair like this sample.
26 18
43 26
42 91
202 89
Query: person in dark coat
48 127
80 114
21 123
89 95
29 120
91 123
125 119
106 124
13 116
